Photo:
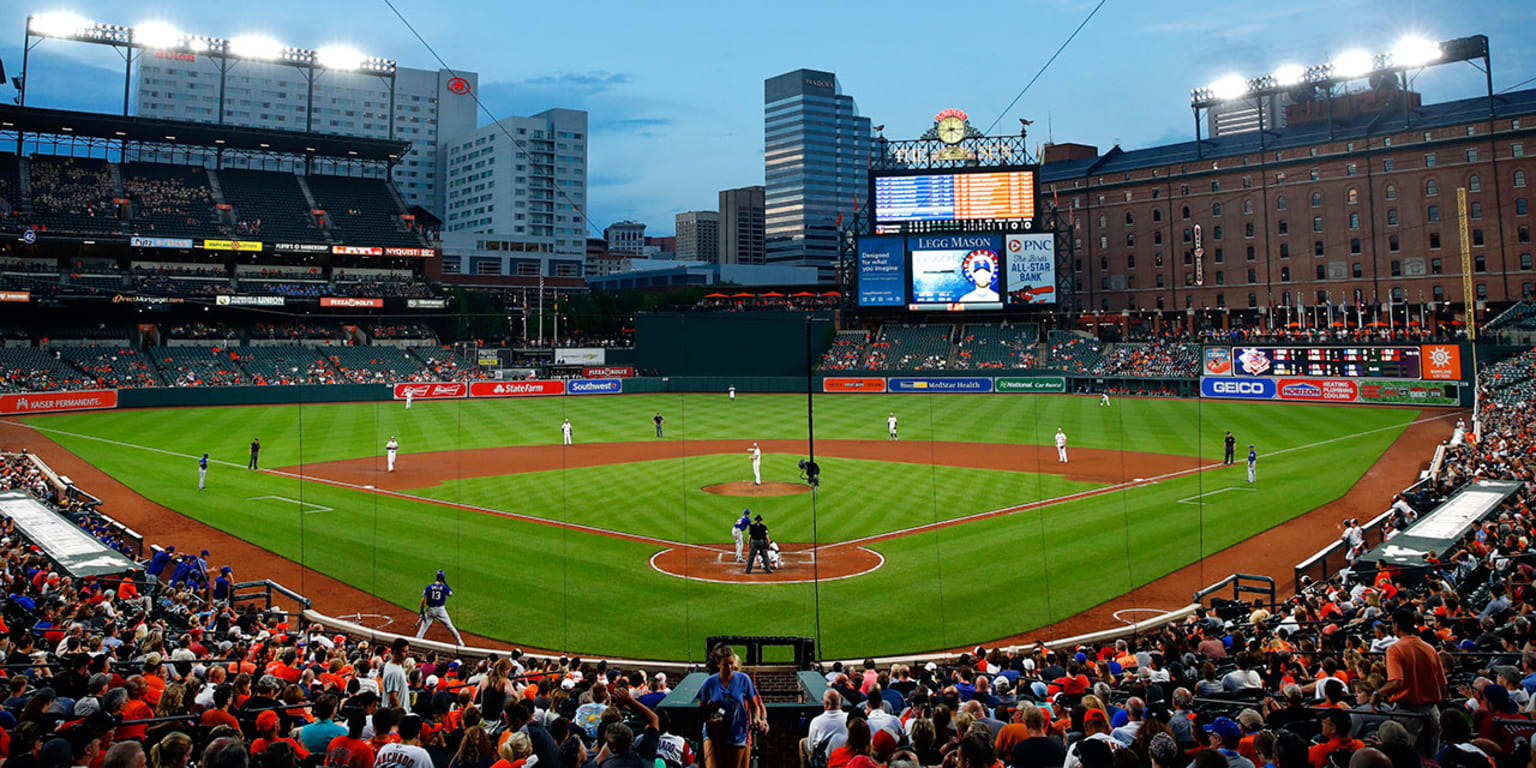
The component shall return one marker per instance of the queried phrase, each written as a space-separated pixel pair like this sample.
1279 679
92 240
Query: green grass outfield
589 593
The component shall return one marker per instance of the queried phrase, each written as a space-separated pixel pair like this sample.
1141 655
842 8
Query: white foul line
313 508
1196 499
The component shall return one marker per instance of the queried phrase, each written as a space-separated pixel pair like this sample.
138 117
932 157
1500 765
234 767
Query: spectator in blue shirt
732 709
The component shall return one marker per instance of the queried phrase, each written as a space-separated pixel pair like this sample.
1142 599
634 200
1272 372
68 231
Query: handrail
1239 588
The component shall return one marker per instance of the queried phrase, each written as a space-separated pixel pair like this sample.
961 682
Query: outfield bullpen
966 530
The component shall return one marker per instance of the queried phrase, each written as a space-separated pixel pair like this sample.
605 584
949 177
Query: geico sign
1238 387
1258 389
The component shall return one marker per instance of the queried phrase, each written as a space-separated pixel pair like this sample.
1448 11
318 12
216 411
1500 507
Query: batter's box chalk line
374 620
308 507
1196 499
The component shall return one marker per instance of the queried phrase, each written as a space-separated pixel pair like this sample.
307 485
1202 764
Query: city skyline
676 111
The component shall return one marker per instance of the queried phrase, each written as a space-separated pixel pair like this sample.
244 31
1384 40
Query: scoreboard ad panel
882 272
1398 362
956 271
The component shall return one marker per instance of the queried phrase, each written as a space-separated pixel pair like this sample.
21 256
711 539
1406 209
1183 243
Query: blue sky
674 89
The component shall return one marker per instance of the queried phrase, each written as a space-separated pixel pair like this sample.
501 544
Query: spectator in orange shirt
219 713
266 735
153 674
1335 737
137 708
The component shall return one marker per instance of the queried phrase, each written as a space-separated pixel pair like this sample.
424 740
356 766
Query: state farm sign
43 402
515 388
344 301
431 390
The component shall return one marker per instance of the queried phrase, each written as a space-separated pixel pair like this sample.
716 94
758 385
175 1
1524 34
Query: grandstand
31 369
986 346
111 366
73 195
197 366
170 200
269 206
846 352
914 347
286 365
376 365
1161 358
1075 352
363 211
447 365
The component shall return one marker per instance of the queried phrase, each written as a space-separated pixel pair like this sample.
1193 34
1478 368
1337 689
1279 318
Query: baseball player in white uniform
732 390
1061 446
1253 464
409 396
775 560
565 432
890 422
1103 399
390 449
739 532
757 464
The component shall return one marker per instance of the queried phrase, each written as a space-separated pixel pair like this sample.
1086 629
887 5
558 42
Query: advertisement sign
249 301
882 272
347 301
580 356
160 242
231 245
609 372
956 269
426 303
357 250
1031 266
1247 389
1218 361
1441 362
1326 390
129 299
15 296
44 402
1252 361
420 253
1408 392
851 384
1032 384
940 386
515 388
301 248
431 390
593 386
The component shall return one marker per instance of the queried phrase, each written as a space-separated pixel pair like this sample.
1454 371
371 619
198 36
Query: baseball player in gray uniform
434 607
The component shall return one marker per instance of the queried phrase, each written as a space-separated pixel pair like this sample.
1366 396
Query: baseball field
965 530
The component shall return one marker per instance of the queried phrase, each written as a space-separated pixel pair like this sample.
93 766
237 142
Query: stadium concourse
1430 665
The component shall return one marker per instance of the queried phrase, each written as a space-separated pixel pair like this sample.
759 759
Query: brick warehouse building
1313 211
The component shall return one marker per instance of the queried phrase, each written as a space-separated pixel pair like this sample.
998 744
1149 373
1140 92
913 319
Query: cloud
580 82
636 125
611 179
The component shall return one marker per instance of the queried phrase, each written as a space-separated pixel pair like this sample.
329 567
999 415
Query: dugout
731 343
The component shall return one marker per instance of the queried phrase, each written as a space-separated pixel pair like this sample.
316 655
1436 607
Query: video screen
983 196
956 269
882 272
1031 269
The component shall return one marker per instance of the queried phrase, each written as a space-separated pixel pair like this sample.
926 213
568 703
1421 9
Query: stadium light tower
155 35
1410 53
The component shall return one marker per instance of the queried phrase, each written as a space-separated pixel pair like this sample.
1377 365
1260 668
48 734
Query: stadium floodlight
1229 87
1415 52
255 47
1290 74
1352 64
57 24
156 34
339 57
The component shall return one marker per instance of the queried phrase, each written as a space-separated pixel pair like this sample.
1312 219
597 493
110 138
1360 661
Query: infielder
890 423
732 390
739 532
255 452
757 464
409 396
565 432
390 449
434 602
202 472
658 420
1103 399
1061 446
1253 464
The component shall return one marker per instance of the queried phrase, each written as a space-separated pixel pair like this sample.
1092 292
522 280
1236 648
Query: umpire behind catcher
759 535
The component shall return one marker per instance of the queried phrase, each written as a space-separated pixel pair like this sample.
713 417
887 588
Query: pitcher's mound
748 489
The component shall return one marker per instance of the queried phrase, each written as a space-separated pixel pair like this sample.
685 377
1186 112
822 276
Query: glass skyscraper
816 165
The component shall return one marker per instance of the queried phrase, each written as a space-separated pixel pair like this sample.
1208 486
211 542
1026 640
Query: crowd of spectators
1163 357
171 196
846 352
297 331
402 331
112 367
60 185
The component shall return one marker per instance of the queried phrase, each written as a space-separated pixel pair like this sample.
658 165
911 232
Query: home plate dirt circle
717 563
748 489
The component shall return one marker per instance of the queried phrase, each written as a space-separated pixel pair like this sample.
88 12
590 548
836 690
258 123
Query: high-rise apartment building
741 226
698 236
815 165
430 109
517 196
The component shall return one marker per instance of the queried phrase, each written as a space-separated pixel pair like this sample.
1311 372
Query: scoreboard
1329 362
961 200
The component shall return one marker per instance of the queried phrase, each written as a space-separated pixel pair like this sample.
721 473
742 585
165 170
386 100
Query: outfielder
202 472
1103 398
565 432
739 532
890 423
1253 464
434 607
409 396
757 464
390 449
732 390
1061 446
